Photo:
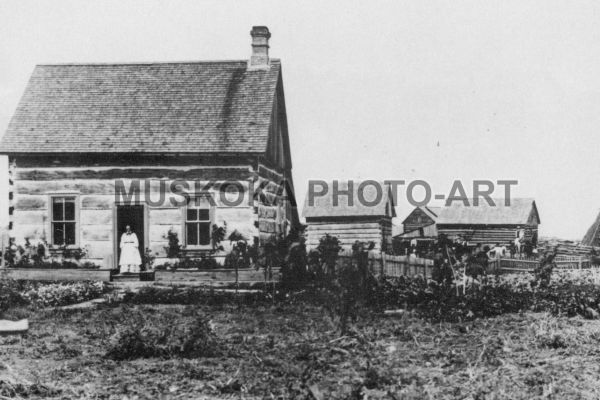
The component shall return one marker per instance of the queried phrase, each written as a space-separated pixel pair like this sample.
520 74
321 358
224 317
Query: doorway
132 215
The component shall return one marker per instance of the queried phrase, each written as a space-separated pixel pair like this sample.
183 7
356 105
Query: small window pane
70 233
204 215
192 214
69 210
191 234
58 234
57 210
204 233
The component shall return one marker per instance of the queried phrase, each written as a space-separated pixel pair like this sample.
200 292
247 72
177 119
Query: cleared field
295 351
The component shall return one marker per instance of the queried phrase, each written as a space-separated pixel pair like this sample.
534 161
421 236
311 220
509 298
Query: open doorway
132 215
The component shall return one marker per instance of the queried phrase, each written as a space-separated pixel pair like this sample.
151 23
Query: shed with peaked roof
490 224
420 217
162 147
351 211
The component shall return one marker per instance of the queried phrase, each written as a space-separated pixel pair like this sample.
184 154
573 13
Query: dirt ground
296 352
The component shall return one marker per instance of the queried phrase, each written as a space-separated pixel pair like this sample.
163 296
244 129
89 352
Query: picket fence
390 265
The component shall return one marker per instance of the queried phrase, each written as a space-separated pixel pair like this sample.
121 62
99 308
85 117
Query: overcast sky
433 90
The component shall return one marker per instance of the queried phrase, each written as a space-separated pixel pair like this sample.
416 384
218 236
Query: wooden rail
394 266
522 265
50 274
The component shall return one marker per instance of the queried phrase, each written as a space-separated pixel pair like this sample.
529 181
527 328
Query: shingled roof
323 206
192 107
520 211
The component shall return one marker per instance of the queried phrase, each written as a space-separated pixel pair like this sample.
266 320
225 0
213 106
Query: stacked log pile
565 247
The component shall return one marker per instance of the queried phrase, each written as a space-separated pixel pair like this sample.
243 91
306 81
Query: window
64 223
198 222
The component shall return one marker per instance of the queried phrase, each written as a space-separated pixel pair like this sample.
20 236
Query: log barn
420 218
351 220
174 146
487 224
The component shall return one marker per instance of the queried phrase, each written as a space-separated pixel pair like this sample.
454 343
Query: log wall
272 210
417 219
486 235
95 188
348 232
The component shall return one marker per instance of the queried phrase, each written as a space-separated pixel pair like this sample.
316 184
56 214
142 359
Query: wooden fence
519 265
390 265
396 266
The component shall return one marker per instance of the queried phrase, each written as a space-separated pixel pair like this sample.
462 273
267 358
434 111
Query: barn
490 224
178 147
349 219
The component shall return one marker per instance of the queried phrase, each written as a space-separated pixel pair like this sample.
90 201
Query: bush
65 264
190 296
329 248
10 296
61 294
204 262
144 335
14 294
174 246
438 302
38 256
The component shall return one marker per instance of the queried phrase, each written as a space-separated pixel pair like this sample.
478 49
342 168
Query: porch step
127 277
133 277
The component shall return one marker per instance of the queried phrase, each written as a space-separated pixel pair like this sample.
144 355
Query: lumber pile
565 247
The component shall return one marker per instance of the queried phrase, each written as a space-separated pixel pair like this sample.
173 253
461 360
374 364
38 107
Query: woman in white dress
130 254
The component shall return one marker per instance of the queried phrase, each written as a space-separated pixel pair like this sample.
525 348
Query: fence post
2 249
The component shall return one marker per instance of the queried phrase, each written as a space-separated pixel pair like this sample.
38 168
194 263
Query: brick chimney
260 48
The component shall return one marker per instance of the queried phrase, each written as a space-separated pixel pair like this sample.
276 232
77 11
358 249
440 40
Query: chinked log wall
269 203
349 232
95 186
486 234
